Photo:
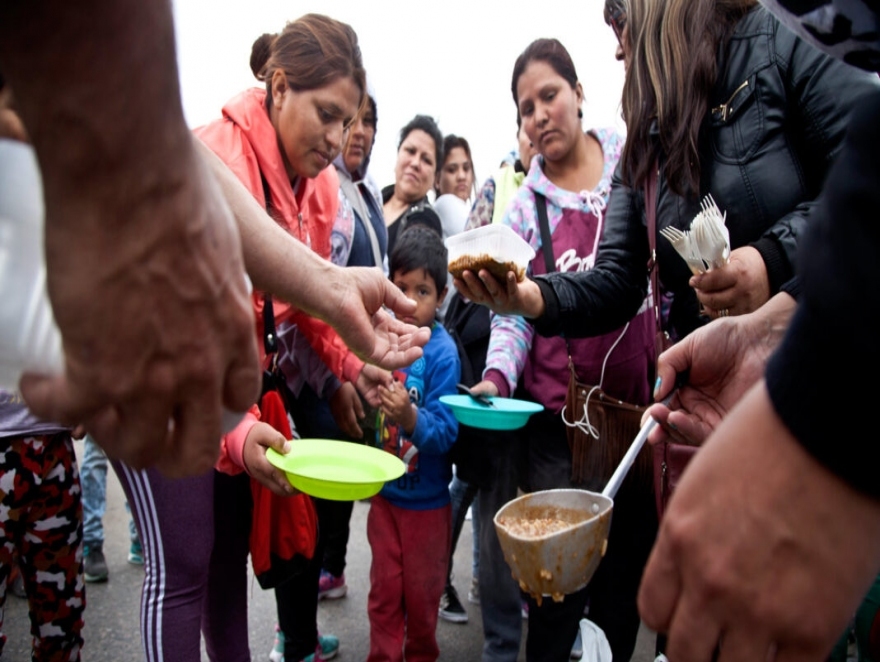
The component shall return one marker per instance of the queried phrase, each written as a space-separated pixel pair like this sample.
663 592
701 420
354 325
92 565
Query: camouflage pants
41 528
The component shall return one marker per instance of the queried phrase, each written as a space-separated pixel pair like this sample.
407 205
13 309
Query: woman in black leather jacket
730 103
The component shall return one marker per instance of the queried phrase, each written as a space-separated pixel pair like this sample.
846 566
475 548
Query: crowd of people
189 267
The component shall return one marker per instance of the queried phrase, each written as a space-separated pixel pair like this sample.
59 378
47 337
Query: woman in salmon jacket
278 141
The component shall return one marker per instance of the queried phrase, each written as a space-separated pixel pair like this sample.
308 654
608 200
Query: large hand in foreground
148 290
722 360
368 329
507 298
762 552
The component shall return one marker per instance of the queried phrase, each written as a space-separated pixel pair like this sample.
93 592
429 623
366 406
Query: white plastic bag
596 646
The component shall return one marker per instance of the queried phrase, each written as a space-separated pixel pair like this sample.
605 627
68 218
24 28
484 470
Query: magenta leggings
194 533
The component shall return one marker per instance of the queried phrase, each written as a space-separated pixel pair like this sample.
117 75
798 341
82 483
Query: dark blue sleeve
436 427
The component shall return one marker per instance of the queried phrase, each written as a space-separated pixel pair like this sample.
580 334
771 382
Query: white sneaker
474 592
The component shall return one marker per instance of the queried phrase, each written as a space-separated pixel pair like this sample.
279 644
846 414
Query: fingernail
657 384
286 447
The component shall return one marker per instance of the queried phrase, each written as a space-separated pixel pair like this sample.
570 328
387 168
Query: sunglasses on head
616 18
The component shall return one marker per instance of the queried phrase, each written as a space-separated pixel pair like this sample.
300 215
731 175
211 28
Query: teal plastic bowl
507 414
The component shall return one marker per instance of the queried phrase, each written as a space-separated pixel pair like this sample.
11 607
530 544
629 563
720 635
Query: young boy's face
419 286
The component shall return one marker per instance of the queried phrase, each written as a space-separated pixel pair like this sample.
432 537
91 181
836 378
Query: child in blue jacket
409 522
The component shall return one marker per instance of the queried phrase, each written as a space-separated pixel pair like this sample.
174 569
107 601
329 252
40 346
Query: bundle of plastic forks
706 245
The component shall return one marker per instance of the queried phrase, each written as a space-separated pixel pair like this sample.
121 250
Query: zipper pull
304 232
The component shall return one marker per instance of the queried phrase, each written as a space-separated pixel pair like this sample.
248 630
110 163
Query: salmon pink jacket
245 140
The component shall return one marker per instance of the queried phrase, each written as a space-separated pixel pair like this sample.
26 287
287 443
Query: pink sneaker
330 587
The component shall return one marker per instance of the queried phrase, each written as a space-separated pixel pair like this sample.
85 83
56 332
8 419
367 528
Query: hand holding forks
707 244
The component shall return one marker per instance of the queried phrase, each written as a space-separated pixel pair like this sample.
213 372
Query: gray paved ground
112 634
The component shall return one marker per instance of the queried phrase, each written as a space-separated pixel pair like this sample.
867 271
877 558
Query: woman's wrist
534 305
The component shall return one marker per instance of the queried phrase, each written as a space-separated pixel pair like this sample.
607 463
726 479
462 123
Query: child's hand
369 380
261 437
396 405
347 410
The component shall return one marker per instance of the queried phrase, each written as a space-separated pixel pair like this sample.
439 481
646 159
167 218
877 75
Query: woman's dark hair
419 247
550 51
427 124
450 142
371 102
312 51
672 70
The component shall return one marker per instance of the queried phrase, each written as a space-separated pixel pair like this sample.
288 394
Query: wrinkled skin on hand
722 360
156 318
762 552
366 326
739 287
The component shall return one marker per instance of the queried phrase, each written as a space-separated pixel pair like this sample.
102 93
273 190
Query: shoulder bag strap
546 239
270 337
650 194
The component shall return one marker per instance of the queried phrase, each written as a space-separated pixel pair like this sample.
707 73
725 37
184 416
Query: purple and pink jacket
516 352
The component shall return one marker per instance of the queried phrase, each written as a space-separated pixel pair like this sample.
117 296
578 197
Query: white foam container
498 242
29 337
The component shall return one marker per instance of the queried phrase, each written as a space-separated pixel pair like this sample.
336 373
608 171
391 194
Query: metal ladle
563 562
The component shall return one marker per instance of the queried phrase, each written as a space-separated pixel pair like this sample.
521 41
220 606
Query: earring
580 113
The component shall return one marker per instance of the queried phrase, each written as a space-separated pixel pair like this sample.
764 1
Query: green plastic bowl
507 414
336 470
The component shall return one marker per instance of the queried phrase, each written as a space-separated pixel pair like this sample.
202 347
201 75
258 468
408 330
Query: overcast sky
451 59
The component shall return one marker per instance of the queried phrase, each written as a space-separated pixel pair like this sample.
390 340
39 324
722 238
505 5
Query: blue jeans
500 596
93 476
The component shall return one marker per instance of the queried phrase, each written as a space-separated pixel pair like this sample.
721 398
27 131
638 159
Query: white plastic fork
711 235
684 244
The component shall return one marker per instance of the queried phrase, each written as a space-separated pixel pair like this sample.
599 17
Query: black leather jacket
779 114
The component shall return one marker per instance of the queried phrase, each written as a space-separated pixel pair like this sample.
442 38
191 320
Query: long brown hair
312 51
672 70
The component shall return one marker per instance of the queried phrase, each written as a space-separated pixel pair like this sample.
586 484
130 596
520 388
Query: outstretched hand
722 360
370 331
505 298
